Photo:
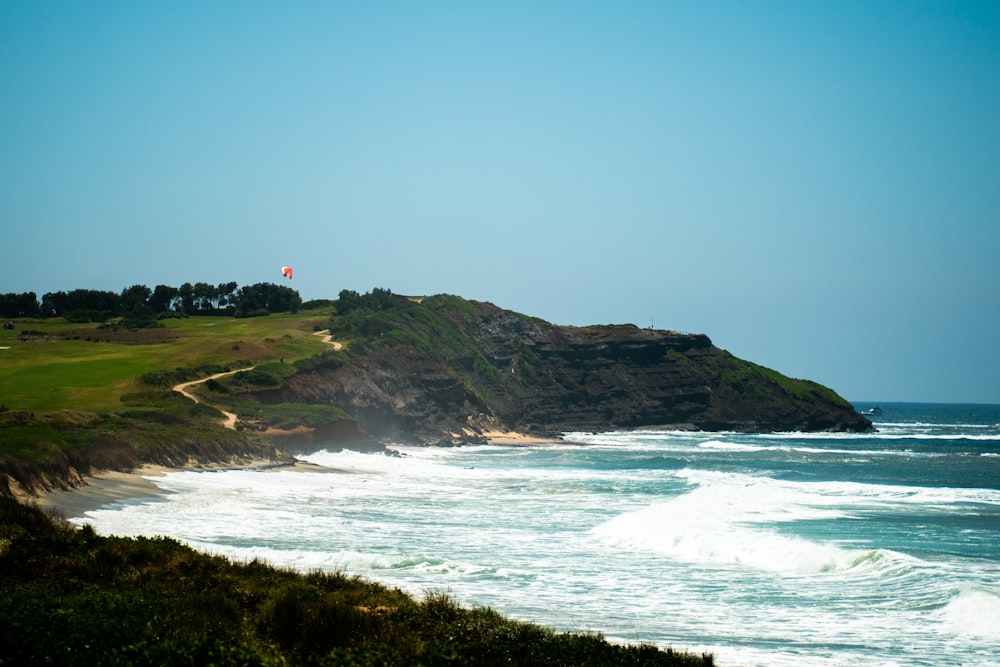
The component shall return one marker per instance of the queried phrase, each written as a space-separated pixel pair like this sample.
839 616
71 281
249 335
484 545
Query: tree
162 298
81 305
19 305
380 298
264 298
205 297
52 304
227 294
137 295
348 301
186 296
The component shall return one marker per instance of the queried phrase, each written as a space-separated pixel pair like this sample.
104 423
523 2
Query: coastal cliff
445 370
440 370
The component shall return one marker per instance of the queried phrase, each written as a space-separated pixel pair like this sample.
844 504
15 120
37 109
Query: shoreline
109 487
103 488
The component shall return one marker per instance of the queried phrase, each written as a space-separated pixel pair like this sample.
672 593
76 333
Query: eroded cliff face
458 369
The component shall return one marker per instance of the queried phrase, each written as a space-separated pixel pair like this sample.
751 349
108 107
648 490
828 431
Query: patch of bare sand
298 430
100 490
513 438
109 487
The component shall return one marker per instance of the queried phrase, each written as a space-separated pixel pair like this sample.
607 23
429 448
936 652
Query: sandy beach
110 487
513 438
101 489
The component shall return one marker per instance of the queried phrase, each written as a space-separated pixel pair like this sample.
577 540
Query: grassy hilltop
54 365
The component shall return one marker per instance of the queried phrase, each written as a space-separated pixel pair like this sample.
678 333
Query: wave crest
974 612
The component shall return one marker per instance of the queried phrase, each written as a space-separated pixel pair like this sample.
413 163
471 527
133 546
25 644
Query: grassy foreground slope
72 597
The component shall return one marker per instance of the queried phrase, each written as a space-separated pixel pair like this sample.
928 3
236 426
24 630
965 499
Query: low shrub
72 597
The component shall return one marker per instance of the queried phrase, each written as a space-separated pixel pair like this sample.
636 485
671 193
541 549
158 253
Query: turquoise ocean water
780 549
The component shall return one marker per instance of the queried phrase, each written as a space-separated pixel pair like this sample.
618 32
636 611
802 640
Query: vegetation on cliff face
72 597
444 368
48 451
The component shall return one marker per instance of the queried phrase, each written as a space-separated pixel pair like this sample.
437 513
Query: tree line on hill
379 298
141 306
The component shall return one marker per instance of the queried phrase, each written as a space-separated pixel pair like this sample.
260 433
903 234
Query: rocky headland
444 370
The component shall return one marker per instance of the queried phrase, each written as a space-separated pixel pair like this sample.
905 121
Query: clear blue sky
815 185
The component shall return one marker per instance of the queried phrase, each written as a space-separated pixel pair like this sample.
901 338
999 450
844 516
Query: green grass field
53 365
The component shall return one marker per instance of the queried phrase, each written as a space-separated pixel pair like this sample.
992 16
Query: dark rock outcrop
449 370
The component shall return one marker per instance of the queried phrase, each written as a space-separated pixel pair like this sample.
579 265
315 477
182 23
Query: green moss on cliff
528 374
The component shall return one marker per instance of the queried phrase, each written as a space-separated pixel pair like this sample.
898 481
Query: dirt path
230 421
327 338
182 389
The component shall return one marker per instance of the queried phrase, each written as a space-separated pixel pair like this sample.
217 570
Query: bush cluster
72 597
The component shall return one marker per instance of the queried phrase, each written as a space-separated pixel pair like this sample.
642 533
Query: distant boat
872 411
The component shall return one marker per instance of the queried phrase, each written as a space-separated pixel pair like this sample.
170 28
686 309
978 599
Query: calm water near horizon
777 549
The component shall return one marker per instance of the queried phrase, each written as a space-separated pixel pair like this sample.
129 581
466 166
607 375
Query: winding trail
182 389
327 338
230 421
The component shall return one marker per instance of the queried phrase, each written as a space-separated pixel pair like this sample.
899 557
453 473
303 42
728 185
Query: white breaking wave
734 519
695 538
617 532
974 612
722 446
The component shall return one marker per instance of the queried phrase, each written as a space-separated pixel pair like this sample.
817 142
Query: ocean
775 549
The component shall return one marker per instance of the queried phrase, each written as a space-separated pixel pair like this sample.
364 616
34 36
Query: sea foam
974 612
780 549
